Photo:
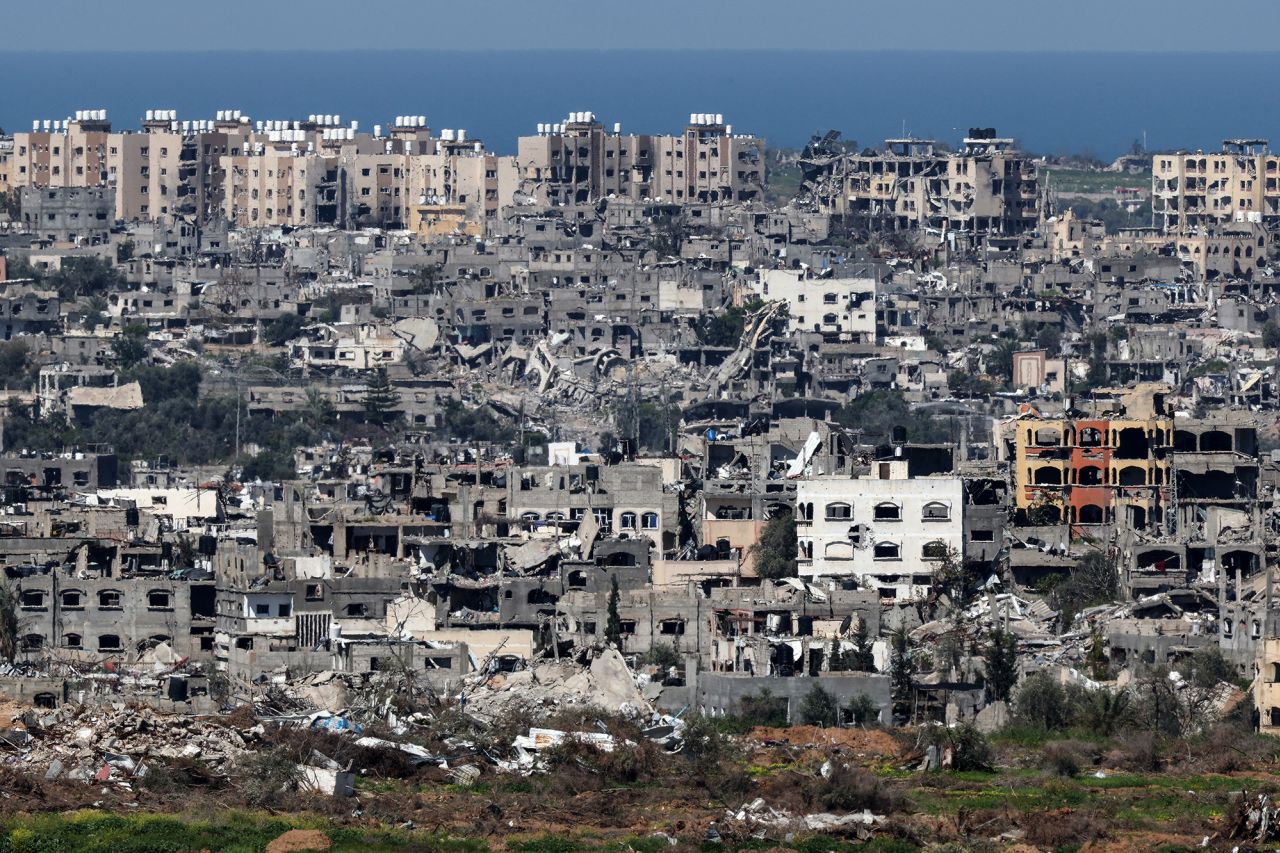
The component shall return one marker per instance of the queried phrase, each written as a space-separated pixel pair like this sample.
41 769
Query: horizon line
681 50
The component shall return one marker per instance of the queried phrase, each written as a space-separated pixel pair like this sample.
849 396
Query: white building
887 530
843 307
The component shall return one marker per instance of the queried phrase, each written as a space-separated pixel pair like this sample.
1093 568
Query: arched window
627 521
1089 475
1132 475
159 599
838 551
71 641
554 516
649 521
888 511
530 516
32 642
935 550
111 599
888 551
72 599
839 512
109 643
1091 514
32 599
936 511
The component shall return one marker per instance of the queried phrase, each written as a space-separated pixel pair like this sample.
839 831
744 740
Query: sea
1052 103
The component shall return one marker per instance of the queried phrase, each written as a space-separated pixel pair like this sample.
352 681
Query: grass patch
1089 181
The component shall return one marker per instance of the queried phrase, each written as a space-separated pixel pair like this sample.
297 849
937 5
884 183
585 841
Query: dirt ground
876 743
297 840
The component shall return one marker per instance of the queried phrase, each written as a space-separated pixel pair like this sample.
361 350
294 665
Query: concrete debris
1255 818
113 743
606 683
758 814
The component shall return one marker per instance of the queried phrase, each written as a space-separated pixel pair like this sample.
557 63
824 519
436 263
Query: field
1131 793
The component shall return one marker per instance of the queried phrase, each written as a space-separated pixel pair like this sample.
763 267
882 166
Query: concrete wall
720 693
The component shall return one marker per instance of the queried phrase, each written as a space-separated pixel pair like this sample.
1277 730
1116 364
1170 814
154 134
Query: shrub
970 749
863 710
819 707
763 709
849 789
1064 757
1041 702
1139 751
262 777
662 655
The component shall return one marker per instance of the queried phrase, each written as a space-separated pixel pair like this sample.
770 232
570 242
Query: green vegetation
227 831
18 369
819 707
1067 180
1001 664
613 623
176 423
724 329
782 182
877 412
1112 215
380 396
775 553
283 329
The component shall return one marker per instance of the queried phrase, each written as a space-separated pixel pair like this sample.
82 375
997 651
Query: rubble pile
757 815
115 743
605 683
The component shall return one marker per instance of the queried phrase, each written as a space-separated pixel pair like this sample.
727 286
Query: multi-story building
986 187
888 530
71 153
579 162
843 309
1091 470
1241 183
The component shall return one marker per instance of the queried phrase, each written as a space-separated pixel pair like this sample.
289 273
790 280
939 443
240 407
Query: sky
967 25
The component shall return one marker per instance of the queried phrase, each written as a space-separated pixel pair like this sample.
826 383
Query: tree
724 329
380 397
819 707
124 251
283 329
1092 581
863 710
130 346
9 626
877 412
1050 339
15 364
1041 702
1271 335
319 412
902 670
763 708
775 553
861 659
836 657
1001 661
95 311
613 623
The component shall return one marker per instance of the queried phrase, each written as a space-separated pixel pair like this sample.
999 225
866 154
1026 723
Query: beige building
579 162
986 187
57 153
1241 183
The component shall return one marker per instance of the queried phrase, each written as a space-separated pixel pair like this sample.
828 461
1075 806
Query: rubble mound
114 742
603 682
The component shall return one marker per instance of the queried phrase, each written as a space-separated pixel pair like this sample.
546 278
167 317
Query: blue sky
981 25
